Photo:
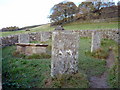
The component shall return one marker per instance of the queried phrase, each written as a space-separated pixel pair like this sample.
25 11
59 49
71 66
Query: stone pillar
0 42
96 41
65 45
23 38
1 71
0 81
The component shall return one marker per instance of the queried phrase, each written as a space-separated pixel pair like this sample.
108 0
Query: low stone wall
9 40
35 36
112 34
44 36
40 36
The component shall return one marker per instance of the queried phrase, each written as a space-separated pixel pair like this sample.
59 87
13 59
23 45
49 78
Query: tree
118 3
93 6
98 4
63 11
86 7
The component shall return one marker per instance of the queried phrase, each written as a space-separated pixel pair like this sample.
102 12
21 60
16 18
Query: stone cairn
23 38
64 52
96 41
59 28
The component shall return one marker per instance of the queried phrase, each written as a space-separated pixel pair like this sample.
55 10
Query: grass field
71 26
27 73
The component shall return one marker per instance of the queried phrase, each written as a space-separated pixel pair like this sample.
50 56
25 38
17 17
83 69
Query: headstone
0 81
0 42
59 28
64 52
23 38
96 41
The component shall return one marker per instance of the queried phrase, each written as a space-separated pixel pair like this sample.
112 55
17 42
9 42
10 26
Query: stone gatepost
96 41
65 45
23 38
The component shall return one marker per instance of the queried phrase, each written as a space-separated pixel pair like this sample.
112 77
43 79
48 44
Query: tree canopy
67 11
63 10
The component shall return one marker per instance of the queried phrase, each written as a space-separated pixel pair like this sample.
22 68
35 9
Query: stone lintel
31 44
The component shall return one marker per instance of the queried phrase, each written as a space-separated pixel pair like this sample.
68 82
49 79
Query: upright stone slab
45 36
96 41
23 38
64 52
0 81
0 42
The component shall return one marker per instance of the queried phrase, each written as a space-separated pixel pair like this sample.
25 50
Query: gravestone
0 81
23 38
64 52
0 42
96 41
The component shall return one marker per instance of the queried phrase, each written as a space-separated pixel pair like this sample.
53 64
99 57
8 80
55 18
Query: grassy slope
26 73
88 26
36 29
71 26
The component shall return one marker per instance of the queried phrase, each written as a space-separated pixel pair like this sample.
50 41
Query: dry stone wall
40 36
65 47
112 34
9 40
35 36
44 36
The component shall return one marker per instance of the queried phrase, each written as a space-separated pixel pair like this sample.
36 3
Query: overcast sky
26 12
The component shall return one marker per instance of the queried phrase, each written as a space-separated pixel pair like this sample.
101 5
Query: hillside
77 25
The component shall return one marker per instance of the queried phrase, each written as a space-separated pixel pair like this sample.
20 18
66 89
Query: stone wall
44 36
112 34
9 40
64 52
40 36
35 36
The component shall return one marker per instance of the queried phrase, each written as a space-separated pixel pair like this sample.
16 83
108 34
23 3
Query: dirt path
101 81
